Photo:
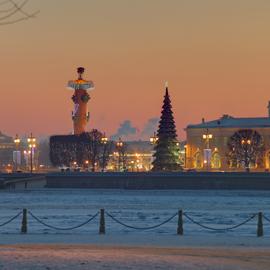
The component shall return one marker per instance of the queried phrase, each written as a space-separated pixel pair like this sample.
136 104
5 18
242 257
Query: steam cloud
127 131
150 127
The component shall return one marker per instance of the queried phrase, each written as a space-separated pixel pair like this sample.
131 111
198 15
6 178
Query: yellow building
207 145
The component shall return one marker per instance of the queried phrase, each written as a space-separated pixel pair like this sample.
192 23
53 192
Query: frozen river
64 208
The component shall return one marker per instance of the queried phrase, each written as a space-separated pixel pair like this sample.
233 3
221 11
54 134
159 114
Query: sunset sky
214 54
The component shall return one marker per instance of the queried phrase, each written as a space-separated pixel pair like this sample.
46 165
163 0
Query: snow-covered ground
117 258
125 248
64 208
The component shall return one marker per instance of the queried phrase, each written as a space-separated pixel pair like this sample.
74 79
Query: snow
114 257
64 208
123 248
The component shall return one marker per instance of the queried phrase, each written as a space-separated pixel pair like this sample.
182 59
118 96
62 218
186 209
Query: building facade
7 147
208 144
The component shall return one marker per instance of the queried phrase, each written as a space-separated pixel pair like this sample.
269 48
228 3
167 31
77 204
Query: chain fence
11 219
182 216
219 229
62 229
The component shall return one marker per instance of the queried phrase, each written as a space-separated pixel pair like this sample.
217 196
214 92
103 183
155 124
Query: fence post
260 225
24 221
102 222
180 230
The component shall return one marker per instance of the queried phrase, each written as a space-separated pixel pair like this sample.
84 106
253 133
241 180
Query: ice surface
69 207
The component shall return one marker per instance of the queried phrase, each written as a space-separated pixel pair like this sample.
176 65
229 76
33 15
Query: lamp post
137 161
32 145
104 141
154 139
207 151
119 146
17 142
185 158
132 165
86 162
245 144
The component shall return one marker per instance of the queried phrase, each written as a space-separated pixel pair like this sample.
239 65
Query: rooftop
227 121
5 139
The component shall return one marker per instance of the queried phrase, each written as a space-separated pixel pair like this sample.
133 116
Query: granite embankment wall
249 181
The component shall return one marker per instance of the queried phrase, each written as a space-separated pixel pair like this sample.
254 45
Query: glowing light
153 139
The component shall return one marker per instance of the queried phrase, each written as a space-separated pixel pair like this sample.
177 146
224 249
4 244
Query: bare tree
105 157
93 147
13 11
246 149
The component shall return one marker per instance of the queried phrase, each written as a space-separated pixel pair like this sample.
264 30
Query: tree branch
13 9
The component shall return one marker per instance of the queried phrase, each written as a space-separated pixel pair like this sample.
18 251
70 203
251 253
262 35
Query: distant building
207 143
137 157
6 149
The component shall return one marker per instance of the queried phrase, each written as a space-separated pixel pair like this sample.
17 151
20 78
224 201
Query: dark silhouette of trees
13 11
86 148
245 149
63 149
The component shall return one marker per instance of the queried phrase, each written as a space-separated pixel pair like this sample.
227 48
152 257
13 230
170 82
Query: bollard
180 230
24 221
260 225
102 222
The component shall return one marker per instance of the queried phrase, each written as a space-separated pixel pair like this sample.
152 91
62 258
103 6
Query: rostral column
80 115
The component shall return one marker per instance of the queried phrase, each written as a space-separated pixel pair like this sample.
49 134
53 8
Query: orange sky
214 54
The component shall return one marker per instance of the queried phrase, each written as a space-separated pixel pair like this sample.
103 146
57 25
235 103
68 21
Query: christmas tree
166 157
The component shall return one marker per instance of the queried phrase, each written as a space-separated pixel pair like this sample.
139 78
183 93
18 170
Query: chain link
140 228
266 218
63 229
219 229
10 220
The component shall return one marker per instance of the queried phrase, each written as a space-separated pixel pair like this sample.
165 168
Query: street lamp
154 139
243 141
32 145
119 146
246 145
16 153
207 151
185 160
207 137
138 157
86 162
104 141
132 165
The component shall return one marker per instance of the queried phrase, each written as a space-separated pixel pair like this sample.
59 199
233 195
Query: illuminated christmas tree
166 157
